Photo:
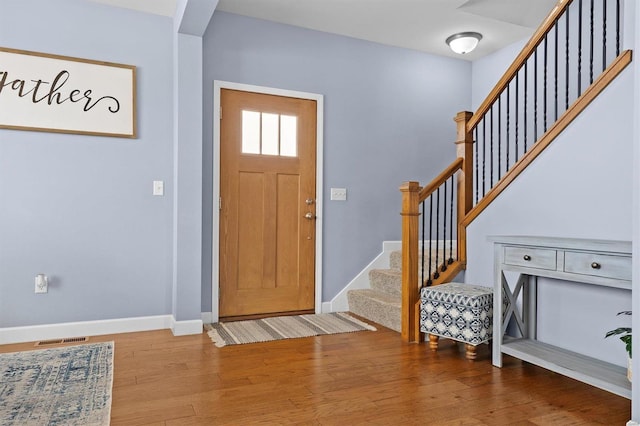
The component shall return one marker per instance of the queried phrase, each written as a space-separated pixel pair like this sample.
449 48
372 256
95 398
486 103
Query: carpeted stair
381 303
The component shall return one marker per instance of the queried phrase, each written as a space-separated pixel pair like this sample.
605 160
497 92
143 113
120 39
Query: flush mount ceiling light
462 43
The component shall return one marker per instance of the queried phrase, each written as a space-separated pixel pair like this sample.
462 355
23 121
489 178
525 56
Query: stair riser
386 281
395 260
385 314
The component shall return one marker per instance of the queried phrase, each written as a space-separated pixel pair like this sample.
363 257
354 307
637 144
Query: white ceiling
157 7
414 24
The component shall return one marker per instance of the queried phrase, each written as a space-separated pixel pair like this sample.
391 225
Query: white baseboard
340 302
184 328
95 328
207 317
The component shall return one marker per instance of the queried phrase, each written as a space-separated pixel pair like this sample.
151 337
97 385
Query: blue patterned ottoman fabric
457 311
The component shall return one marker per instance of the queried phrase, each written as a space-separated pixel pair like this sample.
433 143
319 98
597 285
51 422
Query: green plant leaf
626 334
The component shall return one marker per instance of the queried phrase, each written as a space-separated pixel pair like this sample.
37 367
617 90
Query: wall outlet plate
339 194
42 284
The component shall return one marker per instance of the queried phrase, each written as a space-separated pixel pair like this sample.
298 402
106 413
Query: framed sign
52 93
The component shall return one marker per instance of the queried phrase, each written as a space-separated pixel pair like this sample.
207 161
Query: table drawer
599 265
530 257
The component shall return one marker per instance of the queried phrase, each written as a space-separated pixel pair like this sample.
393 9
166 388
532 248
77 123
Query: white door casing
215 240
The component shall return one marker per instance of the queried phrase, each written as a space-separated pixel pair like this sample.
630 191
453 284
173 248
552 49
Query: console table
592 262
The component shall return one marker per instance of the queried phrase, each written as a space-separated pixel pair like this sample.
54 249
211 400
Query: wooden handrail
440 179
612 71
527 51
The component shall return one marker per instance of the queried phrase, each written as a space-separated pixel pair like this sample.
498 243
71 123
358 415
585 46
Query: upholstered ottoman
457 311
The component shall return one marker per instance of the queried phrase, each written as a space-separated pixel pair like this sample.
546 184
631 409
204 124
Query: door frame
218 85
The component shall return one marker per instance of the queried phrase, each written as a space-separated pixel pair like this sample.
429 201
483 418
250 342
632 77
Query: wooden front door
267 206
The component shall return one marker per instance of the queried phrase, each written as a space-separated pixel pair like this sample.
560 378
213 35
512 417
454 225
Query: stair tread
390 271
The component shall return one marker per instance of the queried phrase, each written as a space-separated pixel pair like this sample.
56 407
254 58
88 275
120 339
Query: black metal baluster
444 232
526 102
579 48
517 110
555 59
604 36
591 44
491 147
437 274
477 160
544 93
452 226
566 92
499 137
484 152
535 96
508 143
430 239
421 257
617 28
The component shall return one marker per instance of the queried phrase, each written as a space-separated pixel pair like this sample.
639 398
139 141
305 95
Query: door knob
309 201
310 216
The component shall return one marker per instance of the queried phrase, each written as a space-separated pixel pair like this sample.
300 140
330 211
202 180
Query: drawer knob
527 257
595 265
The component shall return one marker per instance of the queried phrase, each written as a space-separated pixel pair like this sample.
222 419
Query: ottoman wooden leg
471 351
433 342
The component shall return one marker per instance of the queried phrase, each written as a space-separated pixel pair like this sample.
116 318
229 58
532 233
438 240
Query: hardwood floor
355 378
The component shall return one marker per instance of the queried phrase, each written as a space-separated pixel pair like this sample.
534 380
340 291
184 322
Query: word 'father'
52 93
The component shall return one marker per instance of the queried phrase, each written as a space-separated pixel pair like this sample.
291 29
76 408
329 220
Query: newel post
464 150
410 213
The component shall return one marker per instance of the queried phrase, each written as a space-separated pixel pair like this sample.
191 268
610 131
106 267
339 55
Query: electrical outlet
339 194
42 283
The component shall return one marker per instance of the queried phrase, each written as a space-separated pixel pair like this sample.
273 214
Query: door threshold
266 315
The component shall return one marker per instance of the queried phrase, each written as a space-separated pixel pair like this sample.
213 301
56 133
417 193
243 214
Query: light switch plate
339 194
158 187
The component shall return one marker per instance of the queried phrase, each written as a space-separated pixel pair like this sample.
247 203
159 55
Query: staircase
382 303
572 57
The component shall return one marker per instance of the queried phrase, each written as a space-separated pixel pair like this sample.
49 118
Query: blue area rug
59 386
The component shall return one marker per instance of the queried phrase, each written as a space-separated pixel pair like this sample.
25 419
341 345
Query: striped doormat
286 327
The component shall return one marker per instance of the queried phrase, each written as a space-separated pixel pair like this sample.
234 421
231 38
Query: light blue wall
191 20
388 119
187 255
80 208
487 71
